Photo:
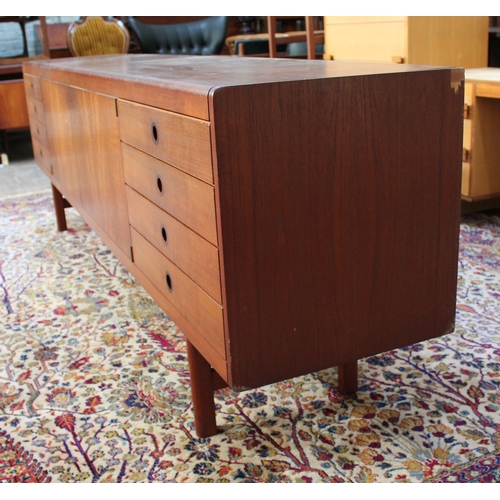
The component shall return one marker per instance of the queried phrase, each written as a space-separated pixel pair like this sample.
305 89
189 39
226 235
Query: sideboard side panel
339 217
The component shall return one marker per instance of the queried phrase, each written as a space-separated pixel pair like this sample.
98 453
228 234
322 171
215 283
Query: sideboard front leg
202 390
59 205
348 378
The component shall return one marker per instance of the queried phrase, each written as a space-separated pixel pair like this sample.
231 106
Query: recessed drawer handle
154 132
164 234
168 280
159 185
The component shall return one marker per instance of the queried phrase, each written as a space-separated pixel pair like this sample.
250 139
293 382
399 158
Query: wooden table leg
59 209
348 378
202 391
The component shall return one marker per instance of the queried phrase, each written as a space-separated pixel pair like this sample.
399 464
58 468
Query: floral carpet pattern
94 381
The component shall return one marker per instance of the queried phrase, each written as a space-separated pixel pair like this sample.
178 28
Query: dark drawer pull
159 185
164 234
154 132
168 280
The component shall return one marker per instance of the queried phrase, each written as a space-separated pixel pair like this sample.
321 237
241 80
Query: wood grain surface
194 255
339 228
86 158
333 198
188 199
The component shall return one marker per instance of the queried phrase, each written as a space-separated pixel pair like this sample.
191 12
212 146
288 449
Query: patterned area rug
94 381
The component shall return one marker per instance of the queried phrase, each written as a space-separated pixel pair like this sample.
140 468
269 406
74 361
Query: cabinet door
84 142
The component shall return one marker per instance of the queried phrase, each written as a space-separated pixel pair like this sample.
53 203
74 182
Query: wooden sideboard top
183 83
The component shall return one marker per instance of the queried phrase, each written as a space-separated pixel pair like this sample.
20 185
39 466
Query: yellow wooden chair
95 35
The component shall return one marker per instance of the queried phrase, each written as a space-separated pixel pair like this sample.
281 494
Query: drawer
183 293
194 255
38 132
179 140
186 198
35 109
32 86
42 156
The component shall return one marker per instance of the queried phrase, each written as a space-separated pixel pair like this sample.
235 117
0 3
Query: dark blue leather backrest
203 37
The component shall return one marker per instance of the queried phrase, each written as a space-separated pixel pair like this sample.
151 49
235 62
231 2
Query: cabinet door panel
59 115
86 154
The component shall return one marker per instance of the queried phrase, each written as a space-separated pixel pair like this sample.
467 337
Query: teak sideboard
288 215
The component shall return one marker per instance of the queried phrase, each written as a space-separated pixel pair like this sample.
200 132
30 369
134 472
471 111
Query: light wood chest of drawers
288 216
437 40
481 153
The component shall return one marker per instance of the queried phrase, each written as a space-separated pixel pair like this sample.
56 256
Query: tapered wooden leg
59 209
202 390
348 378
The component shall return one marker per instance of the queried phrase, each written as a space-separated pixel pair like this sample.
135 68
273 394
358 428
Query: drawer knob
163 234
168 280
154 132
159 185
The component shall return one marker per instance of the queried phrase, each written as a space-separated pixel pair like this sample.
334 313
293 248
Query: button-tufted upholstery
202 37
96 36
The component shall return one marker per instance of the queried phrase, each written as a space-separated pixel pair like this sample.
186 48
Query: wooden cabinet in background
481 144
13 110
435 40
286 215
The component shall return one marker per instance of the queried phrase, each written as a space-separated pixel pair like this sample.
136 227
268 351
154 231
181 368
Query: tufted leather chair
202 37
95 35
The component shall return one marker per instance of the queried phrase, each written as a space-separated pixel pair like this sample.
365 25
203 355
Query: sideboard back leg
348 378
202 390
59 206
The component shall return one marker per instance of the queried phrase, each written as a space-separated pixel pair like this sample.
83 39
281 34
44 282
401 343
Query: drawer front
184 294
186 198
33 87
38 132
194 255
42 156
179 140
35 109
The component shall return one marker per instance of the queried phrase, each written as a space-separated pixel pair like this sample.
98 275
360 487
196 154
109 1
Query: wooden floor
21 175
